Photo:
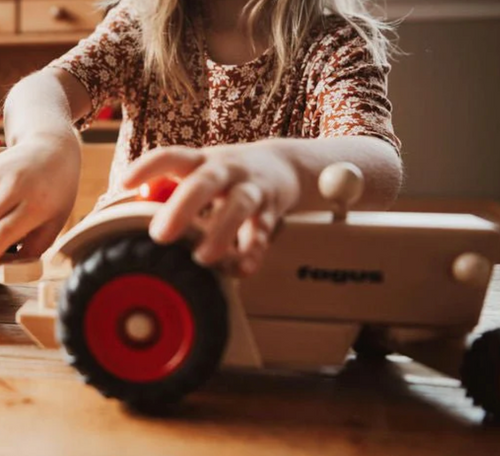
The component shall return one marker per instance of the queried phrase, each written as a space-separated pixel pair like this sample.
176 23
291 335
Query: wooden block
38 323
21 271
47 295
54 272
302 345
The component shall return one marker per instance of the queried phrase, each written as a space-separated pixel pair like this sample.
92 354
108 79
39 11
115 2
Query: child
245 100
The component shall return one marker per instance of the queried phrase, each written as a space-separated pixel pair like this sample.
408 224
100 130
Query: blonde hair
163 24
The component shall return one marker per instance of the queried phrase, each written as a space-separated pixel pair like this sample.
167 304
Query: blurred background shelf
101 131
41 39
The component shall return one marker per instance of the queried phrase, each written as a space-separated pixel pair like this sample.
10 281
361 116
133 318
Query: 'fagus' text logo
340 276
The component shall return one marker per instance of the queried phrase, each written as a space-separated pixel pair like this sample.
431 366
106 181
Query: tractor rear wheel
481 373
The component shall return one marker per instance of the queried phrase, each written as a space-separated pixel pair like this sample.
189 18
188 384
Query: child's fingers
250 262
192 195
267 220
179 161
9 199
251 236
15 226
242 201
39 240
253 241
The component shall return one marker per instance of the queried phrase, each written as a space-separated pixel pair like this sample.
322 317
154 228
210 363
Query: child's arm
42 163
40 170
258 183
45 103
377 159
346 117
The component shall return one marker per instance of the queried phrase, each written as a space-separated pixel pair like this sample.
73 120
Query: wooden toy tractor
145 324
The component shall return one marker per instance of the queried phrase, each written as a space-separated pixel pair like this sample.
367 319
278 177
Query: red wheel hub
139 328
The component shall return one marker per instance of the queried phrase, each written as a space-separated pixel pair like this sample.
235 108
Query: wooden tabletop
397 409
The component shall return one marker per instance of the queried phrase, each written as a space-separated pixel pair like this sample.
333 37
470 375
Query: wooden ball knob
472 269
341 183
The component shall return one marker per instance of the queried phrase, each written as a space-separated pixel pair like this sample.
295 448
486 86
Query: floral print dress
332 89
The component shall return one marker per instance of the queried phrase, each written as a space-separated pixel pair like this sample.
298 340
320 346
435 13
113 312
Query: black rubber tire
481 372
172 264
371 344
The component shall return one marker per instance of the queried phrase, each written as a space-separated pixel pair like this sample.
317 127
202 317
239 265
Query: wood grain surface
400 408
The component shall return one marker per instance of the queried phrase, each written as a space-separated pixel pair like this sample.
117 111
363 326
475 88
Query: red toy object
106 113
158 189
139 328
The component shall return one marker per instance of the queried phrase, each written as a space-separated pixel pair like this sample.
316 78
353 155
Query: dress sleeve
104 61
350 98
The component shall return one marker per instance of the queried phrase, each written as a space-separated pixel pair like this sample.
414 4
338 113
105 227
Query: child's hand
38 184
253 186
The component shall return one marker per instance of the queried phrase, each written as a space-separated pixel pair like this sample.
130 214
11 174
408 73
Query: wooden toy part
37 318
381 268
472 269
241 350
341 184
124 197
38 323
47 295
302 344
21 271
110 222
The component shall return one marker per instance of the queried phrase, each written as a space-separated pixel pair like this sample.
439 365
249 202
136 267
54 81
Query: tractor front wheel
142 322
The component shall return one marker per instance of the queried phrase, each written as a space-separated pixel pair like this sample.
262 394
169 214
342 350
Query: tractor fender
130 217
